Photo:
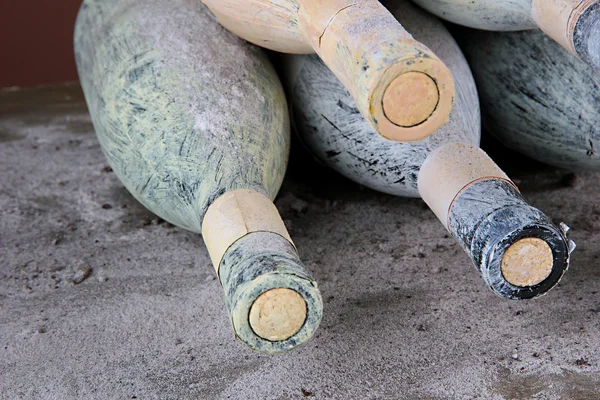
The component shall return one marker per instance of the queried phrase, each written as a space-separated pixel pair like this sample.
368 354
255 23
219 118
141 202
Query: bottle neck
236 214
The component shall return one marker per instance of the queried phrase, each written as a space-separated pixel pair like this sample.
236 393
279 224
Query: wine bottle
519 252
400 86
537 98
574 24
194 122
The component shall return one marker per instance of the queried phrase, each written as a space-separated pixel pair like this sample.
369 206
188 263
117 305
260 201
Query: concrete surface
406 314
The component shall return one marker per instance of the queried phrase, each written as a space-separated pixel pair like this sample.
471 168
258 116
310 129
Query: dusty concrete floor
406 314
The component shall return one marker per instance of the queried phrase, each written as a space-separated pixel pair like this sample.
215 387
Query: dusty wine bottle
400 86
537 98
574 24
194 123
518 251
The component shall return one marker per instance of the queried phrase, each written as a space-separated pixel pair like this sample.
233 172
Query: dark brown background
36 41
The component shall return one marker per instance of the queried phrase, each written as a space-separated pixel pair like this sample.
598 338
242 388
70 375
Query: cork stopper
410 99
278 314
527 262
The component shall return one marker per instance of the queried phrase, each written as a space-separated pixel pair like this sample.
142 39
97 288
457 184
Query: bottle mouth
278 314
527 263
586 36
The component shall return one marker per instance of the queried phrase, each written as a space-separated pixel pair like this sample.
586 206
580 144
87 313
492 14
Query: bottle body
492 15
143 83
547 107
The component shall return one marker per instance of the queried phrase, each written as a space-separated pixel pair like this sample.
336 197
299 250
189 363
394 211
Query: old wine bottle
194 123
400 86
537 98
574 24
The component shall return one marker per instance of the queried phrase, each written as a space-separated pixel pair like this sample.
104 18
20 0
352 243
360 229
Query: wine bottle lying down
399 85
574 24
517 249
194 122
548 109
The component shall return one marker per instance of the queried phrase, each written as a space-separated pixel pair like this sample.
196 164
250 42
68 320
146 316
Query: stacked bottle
398 84
194 122
574 24
537 98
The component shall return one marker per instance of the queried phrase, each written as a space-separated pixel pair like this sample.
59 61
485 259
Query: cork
527 262
410 99
278 314
450 169
236 214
